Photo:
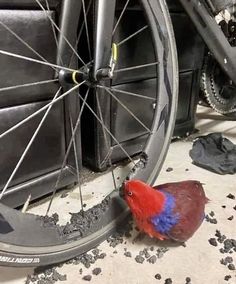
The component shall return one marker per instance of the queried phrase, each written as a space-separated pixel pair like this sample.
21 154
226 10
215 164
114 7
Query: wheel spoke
28 146
121 15
106 142
77 166
108 131
86 29
126 93
28 85
36 61
67 152
132 35
80 32
54 32
40 110
136 67
25 43
57 28
128 110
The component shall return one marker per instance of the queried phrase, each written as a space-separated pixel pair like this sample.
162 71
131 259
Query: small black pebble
168 281
87 278
213 242
231 266
84 205
186 170
151 248
227 277
169 169
222 250
158 276
147 254
231 218
188 280
212 214
223 206
115 251
231 196
139 259
102 255
128 254
229 259
95 251
222 261
97 271
213 221
64 195
152 259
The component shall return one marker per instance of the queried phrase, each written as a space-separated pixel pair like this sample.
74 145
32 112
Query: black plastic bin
190 48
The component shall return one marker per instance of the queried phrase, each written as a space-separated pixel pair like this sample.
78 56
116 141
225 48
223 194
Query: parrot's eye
130 193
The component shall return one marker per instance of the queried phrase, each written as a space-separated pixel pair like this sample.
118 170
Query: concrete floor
198 260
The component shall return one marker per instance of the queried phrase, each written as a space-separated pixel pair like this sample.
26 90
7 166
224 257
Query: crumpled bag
215 153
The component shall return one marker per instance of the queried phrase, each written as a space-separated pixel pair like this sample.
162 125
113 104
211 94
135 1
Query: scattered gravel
128 254
115 239
168 281
213 242
212 213
226 260
169 169
152 259
231 266
139 259
87 277
211 220
64 195
220 238
231 196
227 277
161 251
95 251
188 280
97 271
231 218
45 276
102 255
158 276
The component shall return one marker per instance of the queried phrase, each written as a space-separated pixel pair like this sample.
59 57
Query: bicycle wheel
28 239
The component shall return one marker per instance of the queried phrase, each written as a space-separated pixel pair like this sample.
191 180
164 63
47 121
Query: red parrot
168 211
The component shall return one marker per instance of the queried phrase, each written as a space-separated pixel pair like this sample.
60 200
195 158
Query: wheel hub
86 73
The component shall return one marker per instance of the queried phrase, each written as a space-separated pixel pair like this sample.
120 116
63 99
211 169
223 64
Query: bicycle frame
203 19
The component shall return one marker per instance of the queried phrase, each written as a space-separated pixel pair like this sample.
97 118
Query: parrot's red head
142 198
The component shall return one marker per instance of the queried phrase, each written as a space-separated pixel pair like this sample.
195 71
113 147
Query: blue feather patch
164 221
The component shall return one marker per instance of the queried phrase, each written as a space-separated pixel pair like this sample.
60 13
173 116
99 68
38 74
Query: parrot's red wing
190 200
